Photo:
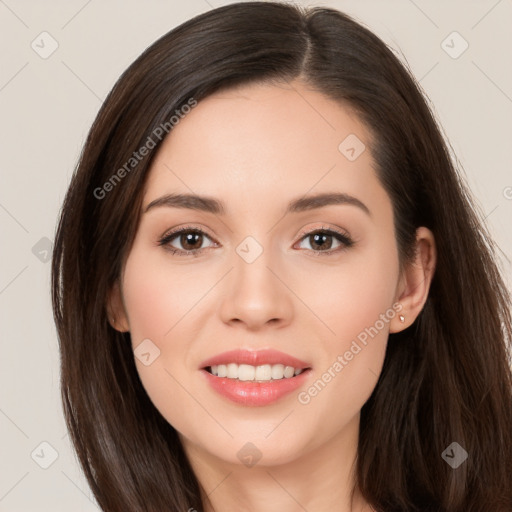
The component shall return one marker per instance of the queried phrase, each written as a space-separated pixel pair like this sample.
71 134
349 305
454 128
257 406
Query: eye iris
321 237
188 239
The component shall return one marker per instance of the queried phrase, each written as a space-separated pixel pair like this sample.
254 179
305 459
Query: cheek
157 295
356 306
351 297
159 300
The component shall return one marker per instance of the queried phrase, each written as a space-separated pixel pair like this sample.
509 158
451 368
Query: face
318 282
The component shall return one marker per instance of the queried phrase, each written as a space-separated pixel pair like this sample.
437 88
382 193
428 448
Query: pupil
322 236
189 239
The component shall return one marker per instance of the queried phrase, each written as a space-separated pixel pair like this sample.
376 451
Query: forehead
264 142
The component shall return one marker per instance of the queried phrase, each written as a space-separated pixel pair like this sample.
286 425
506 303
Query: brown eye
190 241
321 241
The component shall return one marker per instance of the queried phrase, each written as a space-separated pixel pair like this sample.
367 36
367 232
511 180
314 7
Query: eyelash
342 237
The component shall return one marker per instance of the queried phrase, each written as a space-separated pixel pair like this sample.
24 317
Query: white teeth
246 372
262 373
277 371
289 371
232 371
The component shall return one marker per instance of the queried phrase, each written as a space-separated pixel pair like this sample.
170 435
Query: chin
250 447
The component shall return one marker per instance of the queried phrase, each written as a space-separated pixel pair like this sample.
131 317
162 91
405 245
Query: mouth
255 378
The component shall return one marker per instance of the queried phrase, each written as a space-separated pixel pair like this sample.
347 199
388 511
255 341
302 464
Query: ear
116 310
414 284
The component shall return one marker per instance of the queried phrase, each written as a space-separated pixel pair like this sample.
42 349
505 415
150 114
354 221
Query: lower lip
255 393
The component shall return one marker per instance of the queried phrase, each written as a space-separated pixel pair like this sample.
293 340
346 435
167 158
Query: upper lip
255 358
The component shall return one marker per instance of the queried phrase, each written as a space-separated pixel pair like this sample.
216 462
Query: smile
254 378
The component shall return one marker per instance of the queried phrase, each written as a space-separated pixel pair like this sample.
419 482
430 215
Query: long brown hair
446 378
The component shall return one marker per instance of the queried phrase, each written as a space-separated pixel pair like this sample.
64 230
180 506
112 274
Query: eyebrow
212 205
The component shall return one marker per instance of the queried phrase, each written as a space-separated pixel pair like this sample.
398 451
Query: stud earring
402 318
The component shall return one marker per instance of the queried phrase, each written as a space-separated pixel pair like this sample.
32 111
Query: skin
256 148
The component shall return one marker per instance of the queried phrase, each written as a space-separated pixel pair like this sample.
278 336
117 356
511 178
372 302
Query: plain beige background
47 104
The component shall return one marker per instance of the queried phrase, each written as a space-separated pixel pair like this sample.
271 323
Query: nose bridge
254 294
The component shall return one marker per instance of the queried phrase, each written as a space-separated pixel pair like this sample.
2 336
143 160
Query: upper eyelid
302 233
185 229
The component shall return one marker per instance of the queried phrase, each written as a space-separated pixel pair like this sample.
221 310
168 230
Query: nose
256 294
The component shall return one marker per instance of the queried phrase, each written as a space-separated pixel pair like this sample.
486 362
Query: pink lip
255 358
255 393
252 393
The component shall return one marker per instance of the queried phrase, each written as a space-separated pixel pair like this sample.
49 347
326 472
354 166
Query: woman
268 273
